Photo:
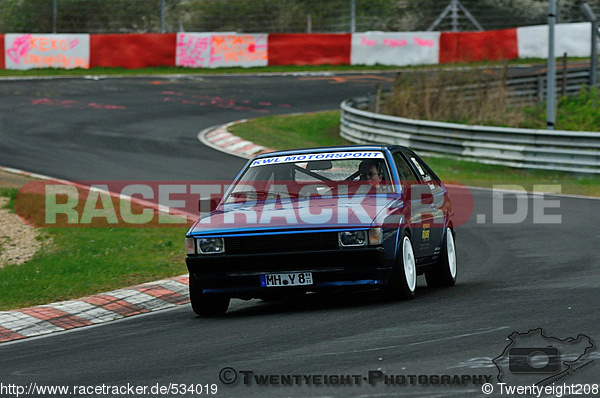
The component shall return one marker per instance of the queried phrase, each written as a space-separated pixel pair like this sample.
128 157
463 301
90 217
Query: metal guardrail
533 87
530 88
524 148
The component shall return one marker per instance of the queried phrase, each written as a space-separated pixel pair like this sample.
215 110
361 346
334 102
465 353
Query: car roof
337 148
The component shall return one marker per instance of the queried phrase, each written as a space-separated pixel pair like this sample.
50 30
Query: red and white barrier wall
214 50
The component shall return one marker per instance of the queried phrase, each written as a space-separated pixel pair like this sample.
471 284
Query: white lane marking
460 336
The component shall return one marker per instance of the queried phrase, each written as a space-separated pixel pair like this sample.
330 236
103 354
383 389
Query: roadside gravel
18 241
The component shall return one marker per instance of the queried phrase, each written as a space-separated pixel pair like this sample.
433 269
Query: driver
371 170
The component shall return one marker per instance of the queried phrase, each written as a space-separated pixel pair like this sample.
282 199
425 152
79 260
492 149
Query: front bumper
239 275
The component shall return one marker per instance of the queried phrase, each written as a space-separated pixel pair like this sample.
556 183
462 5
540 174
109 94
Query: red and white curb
221 139
95 309
120 303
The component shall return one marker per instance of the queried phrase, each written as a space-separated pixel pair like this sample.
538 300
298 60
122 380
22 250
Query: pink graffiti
254 46
177 93
367 42
423 42
395 43
43 44
218 102
398 42
20 48
236 48
218 49
190 50
53 61
71 104
213 47
93 105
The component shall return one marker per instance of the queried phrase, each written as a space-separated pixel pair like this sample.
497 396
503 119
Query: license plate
290 279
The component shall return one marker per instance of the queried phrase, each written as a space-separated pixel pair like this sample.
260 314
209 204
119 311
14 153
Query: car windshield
304 175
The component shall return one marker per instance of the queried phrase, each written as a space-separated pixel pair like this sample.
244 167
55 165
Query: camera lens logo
534 360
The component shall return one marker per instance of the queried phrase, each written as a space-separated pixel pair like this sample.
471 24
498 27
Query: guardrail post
594 57
377 97
54 15
540 88
162 16
591 16
551 81
563 88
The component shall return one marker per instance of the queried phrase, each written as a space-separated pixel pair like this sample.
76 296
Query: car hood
294 214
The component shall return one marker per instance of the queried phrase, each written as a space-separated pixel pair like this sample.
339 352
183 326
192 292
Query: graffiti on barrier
207 50
29 51
395 48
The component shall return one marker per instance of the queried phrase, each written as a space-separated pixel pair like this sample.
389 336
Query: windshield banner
318 156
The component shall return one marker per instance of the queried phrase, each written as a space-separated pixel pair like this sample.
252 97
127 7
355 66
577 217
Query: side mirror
206 205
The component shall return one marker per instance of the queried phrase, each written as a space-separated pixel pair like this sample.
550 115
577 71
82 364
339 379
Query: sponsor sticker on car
317 156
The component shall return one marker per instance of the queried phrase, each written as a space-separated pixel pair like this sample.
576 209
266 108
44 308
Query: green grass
9 193
81 262
576 113
84 261
322 129
484 175
293 131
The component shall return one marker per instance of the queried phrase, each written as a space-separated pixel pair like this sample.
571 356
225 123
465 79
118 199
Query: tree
25 16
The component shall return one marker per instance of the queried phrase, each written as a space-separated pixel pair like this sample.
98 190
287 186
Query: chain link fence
276 16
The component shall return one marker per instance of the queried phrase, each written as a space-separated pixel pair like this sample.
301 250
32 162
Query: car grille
281 243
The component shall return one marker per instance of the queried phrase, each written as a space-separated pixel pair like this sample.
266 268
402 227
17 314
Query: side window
421 169
404 169
426 175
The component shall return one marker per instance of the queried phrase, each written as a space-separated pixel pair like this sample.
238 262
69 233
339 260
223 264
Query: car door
431 208
415 193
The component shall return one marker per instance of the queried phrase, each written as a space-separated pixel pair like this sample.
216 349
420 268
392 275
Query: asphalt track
540 272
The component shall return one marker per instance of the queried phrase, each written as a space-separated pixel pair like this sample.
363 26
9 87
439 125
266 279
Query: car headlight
353 238
211 245
372 237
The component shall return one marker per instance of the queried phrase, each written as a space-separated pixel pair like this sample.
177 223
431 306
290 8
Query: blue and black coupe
319 219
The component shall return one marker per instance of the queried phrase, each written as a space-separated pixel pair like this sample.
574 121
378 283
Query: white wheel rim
451 251
408 258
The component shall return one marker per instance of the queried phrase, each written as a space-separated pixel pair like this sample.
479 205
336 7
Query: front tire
444 273
403 281
206 305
